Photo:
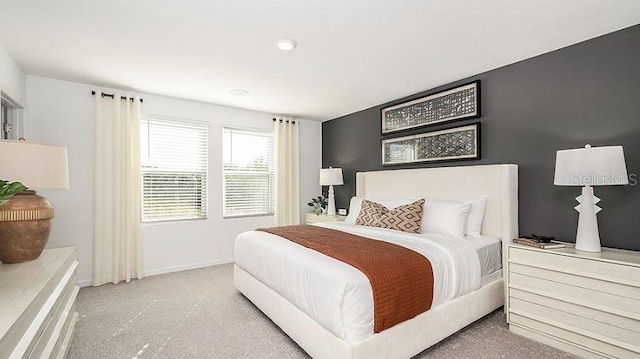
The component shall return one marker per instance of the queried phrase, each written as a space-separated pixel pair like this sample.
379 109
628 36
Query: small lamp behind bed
330 177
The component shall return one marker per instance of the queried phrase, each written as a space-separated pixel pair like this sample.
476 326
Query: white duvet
337 295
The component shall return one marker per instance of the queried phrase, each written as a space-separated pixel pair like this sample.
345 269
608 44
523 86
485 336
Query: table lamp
25 219
330 177
587 167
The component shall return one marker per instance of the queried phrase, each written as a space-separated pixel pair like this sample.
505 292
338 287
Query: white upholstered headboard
498 182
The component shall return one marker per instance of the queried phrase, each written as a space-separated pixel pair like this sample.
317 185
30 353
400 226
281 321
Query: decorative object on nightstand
584 303
25 219
331 177
319 204
590 166
538 244
317 218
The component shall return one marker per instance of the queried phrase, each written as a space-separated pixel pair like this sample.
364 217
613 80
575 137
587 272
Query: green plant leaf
15 187
8 190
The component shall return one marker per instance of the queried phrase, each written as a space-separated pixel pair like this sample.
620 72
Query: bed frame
498 182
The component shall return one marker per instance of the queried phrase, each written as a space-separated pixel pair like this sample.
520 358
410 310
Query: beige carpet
199 314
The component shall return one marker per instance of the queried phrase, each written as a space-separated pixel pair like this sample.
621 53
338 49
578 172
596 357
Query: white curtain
116 244
287 171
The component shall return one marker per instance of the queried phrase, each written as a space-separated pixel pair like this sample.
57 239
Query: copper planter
25 223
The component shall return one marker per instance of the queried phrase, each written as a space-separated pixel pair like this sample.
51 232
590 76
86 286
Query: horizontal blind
248 172
174 160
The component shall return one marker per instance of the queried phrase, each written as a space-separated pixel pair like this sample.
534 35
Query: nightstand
580 302
316 218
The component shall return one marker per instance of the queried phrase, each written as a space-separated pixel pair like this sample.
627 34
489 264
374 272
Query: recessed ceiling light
240 92
286 44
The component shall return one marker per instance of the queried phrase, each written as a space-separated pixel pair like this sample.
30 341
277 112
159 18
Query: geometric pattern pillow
404 218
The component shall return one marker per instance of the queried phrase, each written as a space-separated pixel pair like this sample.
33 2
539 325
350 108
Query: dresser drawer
599 347
593 298
584 267
592 327
606 296
534 271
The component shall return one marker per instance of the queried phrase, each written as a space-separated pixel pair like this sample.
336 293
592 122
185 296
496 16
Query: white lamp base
588 238
331 205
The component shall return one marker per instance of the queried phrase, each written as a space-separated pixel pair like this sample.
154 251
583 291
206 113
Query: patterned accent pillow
404 218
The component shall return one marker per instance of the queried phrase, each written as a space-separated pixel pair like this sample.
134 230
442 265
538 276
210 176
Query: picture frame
458 103
451 144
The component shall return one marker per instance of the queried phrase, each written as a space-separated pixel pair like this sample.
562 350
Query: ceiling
351 54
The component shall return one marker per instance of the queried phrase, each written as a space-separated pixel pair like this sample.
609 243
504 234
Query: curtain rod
293 122
112 96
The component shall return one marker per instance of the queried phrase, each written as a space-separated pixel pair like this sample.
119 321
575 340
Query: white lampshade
592 166
36 165
331 176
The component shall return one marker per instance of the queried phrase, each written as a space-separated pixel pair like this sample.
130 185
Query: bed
325 334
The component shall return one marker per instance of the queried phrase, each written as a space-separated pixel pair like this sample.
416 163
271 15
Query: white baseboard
154 272
84 283
151 273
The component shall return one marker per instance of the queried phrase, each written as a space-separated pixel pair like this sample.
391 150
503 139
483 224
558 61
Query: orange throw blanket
401 279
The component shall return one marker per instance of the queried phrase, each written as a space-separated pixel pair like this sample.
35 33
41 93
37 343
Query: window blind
248 172
174 170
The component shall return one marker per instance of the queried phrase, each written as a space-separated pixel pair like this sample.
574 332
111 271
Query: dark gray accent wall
585 93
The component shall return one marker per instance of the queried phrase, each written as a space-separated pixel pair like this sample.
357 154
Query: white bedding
489 252
337 295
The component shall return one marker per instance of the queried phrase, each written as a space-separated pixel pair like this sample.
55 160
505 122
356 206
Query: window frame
207 126
258 131
12 113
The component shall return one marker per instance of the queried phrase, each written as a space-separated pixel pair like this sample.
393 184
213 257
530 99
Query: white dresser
37 305
580 302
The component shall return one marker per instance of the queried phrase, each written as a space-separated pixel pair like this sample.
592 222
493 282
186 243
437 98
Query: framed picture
462 102
458 143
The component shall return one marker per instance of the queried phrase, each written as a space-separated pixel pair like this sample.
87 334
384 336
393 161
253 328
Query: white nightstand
316 218
580 302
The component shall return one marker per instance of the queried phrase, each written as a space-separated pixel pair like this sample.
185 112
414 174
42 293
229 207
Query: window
11 114
4 121
173 169
248 172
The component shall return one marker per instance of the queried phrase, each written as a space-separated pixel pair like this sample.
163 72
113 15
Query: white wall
63 113
12 78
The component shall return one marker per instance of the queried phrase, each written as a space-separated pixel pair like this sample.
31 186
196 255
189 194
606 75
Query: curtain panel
287 206
117 252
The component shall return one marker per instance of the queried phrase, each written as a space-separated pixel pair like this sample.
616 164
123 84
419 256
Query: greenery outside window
248 173
174 159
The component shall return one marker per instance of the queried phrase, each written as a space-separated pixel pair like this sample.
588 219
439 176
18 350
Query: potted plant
319 204
8 190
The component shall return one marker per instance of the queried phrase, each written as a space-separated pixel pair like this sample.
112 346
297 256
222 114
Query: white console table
37 305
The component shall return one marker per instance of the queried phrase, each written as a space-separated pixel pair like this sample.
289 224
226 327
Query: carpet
199 314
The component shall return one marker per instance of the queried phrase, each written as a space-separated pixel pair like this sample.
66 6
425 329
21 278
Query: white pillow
447 218
476 215
356 204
